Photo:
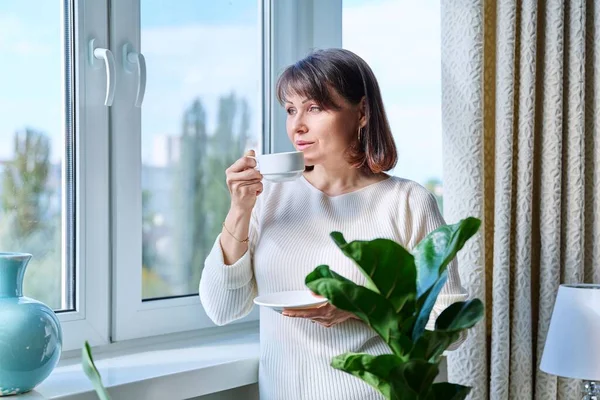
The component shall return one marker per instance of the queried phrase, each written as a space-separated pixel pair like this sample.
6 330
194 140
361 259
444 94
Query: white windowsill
174 369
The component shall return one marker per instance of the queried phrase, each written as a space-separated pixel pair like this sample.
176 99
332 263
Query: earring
359 133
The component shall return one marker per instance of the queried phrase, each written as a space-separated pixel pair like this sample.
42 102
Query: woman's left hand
326 315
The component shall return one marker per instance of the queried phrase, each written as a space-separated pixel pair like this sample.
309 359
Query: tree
149 256
434 185
24 192
227 145
201 195
190 191
28 222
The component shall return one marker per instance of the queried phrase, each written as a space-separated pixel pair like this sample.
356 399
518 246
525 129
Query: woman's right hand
244 183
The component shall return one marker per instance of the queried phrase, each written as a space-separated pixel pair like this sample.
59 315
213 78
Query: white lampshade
572 347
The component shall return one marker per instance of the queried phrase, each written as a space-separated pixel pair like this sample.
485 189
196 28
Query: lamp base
591 390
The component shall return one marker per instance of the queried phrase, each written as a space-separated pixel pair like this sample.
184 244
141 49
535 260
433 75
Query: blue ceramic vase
30 333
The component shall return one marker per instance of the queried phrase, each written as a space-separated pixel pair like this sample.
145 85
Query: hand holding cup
244 182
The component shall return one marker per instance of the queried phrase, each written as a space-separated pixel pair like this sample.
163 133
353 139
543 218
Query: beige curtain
521 120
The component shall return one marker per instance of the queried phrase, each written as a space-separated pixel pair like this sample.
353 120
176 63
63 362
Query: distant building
166 150
159 182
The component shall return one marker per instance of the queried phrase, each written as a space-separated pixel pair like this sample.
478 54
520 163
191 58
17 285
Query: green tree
24 186
190 218
434 185
28 225
201 196
227 145
149 256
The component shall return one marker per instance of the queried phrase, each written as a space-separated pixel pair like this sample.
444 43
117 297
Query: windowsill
174 369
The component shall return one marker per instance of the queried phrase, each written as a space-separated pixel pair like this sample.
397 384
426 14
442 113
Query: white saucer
284 176
290 299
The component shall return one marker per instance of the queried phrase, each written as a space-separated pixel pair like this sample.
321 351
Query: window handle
97 54
133 59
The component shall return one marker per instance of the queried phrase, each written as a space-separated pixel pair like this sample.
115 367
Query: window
36 149
53 193
113 147
202 108
201 111
401 41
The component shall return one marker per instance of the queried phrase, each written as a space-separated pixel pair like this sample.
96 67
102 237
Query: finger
301 314
250 153
242 164
239 186
327 323
312 307
289 313
309 312
245 175
254 189
249 188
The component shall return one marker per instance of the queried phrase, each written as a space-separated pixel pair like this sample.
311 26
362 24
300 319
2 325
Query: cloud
401 42
206 61
203 58
399 39
20 38
10 26
418 136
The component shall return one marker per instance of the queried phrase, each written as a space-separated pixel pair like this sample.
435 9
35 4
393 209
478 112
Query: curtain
521 142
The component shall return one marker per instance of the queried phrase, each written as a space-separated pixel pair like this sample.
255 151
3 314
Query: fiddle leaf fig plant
90 370
396 303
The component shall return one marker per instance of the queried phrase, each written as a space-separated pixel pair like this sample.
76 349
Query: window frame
109 304
131 316
297 28
90 319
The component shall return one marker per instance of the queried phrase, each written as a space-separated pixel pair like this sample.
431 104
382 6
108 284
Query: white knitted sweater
289 237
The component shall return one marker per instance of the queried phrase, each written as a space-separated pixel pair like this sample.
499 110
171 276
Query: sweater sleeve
426 217
227 291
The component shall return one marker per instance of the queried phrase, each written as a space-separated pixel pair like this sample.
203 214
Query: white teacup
280 167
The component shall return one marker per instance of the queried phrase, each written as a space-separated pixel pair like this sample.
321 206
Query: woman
276 233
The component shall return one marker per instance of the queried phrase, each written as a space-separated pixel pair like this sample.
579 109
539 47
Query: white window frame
131 317
90 320
294 28
109 303
297 28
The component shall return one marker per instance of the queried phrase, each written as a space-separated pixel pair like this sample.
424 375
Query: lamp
572 348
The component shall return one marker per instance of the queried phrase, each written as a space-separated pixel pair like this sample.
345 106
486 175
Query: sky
211 48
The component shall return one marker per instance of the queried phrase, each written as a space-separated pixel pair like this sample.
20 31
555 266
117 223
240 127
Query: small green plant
396 303
87 363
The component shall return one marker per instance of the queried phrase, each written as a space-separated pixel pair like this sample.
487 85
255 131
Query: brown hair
351 77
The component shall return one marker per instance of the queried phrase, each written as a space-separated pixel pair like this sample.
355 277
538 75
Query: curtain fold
520 83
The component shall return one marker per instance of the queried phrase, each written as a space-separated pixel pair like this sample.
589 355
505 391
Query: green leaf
419 375
323 271
389 269
460 316
425 304
89 368
449 391
438 248
374 370
370 307
432 256
412 380
432 344
394 377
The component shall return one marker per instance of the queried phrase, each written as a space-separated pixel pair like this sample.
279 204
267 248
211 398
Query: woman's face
322 135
